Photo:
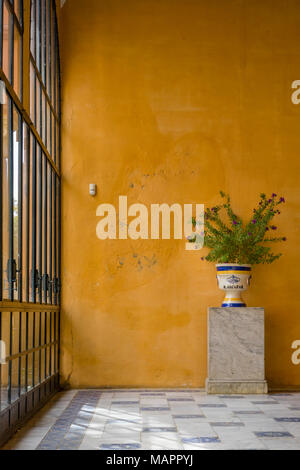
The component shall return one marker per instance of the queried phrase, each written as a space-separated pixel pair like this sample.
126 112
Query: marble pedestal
236 356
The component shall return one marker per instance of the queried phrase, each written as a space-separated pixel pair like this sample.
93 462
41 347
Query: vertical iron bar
10 362
49 50
26 347
50 234
54 239
20 209
45 188
27 196
33 254
22 22
54 59
40 228
11 199
40 34
11 59
59 241
33 354
20 242
40 350
0 363
44 65
45 342
1 31
28 169
50 261
1 202
33 221
20 358
50 347
41 111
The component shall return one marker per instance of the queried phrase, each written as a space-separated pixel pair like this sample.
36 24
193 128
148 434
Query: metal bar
45 274
59 241
54 239
41 112
50 340
45 342
54 150
1 31
33 221
35 103
50 234
15 18
59 273
38 33
55 339
40 350
40 228
43 86
11 200
54 58
3 412
44 65
20 350
13 306
0 363
21 34
49 31
45 121
1 202
26 354
27 251
27 196
33 347
20 241
48 223
20 210
12 357
9 361
11 59
27 119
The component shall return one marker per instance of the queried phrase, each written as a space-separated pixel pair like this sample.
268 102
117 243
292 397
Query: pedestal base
236 359
222 387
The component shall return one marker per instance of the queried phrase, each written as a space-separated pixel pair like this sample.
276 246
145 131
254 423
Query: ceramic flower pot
233 279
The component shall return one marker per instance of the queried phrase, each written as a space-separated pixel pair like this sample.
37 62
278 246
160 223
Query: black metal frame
29 217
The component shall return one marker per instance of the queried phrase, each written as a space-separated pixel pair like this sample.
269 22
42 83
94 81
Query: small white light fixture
2 352
93 189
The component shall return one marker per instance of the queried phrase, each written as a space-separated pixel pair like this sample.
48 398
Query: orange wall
171 101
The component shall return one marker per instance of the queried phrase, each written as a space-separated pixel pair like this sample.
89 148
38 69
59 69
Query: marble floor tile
281 443
162 419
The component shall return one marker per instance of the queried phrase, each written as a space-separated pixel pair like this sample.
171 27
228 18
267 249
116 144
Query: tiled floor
163 419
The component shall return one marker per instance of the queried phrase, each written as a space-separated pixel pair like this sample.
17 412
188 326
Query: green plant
232 241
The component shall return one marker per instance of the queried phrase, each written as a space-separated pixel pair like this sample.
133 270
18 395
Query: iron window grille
30 213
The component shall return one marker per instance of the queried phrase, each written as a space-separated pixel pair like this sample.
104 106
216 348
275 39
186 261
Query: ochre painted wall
171 101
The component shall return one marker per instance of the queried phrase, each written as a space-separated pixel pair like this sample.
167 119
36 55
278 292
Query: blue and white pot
233 279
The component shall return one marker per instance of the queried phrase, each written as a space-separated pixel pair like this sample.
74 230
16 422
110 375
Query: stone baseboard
232 387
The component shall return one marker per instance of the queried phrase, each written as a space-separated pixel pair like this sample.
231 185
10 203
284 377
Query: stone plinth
236 356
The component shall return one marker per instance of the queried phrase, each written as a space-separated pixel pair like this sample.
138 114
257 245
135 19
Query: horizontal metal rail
29 351
14 306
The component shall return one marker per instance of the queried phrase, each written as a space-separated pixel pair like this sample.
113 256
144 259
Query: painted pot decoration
233 279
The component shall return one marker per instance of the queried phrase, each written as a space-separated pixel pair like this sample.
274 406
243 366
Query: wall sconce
93 189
